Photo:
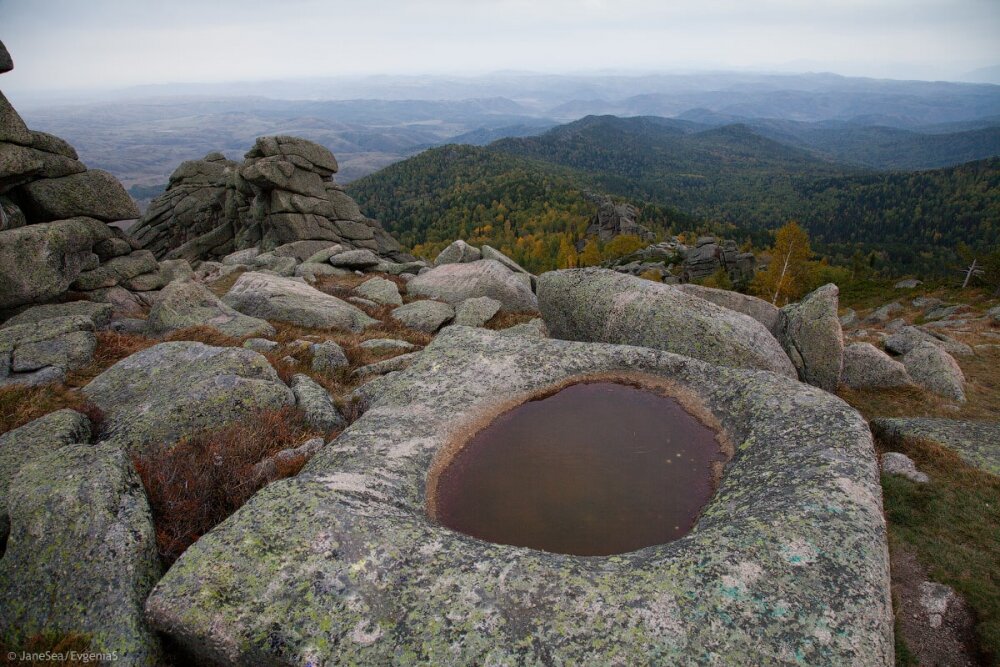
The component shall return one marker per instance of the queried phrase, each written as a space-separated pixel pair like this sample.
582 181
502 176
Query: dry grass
198 482
20 405
504 320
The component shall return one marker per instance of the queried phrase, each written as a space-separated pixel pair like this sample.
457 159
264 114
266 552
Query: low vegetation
198 482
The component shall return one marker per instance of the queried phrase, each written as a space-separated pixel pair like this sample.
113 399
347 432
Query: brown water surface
592 470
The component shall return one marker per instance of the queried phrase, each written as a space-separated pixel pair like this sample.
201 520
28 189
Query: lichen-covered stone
117 270
315 403
387 345
81 556
171 390
894 463
354 259
608 307
24 444
426 315
907 338
811 335
459 252
289 300
787 564
534 328
391 365
936 370
454 283
760 310
98 313
490 252
39 262
977 442
185 304
328 356
94 193
476 312
867 367
65 343
381 291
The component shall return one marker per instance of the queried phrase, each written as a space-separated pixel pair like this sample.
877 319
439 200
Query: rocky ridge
282 193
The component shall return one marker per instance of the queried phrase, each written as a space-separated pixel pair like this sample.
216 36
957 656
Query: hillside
686 176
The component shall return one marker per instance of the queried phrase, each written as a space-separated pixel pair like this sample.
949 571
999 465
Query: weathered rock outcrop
615 219
289 300
41 352
454 283
810 332
81 556
680 263
185 304
170 390
282 193
788 562
603 306
54 234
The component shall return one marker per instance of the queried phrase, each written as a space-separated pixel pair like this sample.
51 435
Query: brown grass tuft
112 347
20 405
505 320
198 482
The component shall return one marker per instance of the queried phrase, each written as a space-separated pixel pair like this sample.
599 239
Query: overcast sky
98 44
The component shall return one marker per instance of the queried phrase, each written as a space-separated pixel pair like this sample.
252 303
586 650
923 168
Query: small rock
355 259
867 367
532 329
427 316
328 356
896 325
894 463
908 338
185 303
936 370
943 311
811 335
388 366
924 302
849 318
909 283
323 256
884 313
476 312
387 345
261 345
380 290
359 301
935 598
459 252
268 468
316 404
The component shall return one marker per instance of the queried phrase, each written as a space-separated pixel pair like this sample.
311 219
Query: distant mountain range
142 134
749 176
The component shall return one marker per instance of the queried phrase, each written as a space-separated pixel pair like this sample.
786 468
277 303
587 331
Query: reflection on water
594 469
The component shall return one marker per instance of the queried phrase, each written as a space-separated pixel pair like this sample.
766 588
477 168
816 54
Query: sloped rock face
603 306
81 556
867 367
53 220
810 332
788 561
282 193
936 370
188 304
171 390
760 310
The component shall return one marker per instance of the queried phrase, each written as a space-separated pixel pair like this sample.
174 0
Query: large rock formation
614 219
811 334
678 262
342 564
54 215
282 192
607 307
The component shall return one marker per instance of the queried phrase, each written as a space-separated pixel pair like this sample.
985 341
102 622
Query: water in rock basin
594 469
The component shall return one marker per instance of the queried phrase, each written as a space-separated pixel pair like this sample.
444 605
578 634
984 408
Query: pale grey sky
98 44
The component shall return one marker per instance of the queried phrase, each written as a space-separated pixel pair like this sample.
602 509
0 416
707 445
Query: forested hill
683 176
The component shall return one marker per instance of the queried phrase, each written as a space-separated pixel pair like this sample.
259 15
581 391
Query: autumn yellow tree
591 255
786 276
567 258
